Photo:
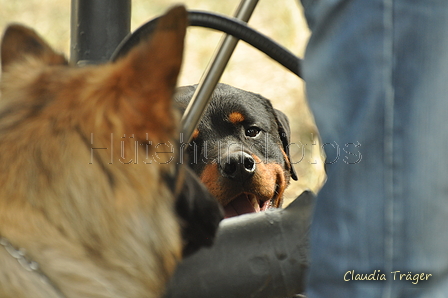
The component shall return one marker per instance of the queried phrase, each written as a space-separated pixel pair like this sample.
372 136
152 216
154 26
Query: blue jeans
377 81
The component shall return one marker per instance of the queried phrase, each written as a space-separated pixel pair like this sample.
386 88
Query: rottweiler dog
240 149
85 208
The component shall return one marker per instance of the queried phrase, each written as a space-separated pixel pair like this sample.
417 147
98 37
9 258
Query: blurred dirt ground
248 68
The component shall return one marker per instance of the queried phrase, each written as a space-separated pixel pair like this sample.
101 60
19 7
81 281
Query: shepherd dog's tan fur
96 229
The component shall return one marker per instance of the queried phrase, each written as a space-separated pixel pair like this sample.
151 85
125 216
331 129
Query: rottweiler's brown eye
252 131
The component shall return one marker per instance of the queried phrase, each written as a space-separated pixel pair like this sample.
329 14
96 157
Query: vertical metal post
97 27
213 73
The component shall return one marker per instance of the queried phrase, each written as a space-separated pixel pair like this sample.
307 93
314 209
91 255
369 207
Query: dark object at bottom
255 255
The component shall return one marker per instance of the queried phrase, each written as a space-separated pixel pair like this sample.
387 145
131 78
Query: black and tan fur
240 149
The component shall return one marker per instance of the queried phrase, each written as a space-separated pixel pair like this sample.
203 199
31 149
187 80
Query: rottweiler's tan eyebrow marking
236 117
195 133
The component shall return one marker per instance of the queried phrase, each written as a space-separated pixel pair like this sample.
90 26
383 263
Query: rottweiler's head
240 149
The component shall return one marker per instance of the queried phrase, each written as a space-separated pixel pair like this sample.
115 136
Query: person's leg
377 81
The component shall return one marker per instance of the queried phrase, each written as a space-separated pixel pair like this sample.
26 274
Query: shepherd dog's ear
160 56
285 135
19 42
147 75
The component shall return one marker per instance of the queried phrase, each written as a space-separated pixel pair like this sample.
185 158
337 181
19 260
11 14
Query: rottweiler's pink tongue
241 205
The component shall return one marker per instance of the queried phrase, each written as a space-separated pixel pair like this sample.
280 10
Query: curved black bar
228 25
260 255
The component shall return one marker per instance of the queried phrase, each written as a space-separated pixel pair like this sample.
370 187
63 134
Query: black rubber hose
258 255
228 25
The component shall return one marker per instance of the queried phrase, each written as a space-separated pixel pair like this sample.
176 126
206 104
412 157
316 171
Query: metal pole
210 78
97 27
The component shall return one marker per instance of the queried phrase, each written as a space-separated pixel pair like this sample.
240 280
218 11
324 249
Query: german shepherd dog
88 202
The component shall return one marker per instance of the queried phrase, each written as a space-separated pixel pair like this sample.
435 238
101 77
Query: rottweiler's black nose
237 166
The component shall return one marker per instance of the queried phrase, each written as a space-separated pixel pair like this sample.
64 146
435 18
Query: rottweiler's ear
285 135
183 95
19 42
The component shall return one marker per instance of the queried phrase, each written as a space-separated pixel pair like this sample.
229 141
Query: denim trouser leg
377 81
